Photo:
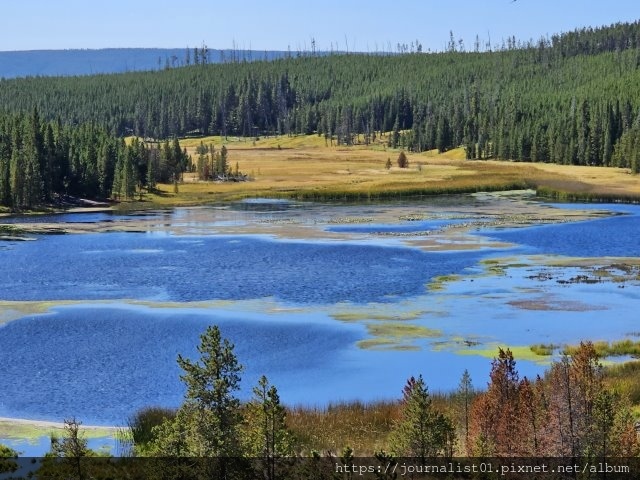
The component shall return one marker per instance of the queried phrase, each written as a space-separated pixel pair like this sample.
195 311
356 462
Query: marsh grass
624 377
611 349
365 427
594 197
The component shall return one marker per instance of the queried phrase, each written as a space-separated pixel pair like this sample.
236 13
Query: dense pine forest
42 162
570 99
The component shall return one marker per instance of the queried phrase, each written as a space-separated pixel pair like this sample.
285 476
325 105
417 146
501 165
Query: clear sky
279 24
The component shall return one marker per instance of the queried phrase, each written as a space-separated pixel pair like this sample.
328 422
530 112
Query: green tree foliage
207 424
265 435
40 162
464 397
140 434
72 447
7 459
422 432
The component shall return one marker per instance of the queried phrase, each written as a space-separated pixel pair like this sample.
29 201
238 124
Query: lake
331 302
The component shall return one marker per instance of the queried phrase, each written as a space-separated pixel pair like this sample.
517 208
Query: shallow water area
331 302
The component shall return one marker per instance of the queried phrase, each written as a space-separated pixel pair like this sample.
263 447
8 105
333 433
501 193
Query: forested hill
573 99
33 63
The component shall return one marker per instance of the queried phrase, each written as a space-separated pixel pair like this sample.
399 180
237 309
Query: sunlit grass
363 427
309 167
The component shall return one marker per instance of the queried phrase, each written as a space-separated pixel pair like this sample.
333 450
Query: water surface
298 304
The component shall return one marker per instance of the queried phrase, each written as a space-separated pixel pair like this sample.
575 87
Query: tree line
570 99
41 162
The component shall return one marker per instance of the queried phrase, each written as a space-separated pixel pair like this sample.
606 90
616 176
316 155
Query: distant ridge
32 63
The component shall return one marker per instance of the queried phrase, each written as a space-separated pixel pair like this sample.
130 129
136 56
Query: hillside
570 99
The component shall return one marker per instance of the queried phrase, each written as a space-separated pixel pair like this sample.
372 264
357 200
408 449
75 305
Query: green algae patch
543 349
438 283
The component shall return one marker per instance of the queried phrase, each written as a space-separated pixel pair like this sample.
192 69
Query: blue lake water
614 236
278 300
173 268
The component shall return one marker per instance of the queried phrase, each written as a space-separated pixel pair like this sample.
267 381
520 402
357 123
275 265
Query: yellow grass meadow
310 167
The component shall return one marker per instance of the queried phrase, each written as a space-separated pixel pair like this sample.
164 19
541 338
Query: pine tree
421 432
265 435
464 398
207 423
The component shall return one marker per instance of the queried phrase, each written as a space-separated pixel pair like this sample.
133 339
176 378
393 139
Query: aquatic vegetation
611 349
401 330
543 349
396 336
438 283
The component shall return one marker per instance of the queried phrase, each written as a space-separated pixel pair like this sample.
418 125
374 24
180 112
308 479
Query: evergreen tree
266 436
464 398
421 432
207 424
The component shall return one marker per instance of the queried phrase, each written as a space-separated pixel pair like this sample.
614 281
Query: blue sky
279 24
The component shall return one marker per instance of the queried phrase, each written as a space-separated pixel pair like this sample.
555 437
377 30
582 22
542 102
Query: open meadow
308 167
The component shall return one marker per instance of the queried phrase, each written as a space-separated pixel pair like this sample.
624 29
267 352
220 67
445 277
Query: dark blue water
617 236
171 268
102 364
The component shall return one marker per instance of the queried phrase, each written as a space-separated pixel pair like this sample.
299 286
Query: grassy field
307 167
